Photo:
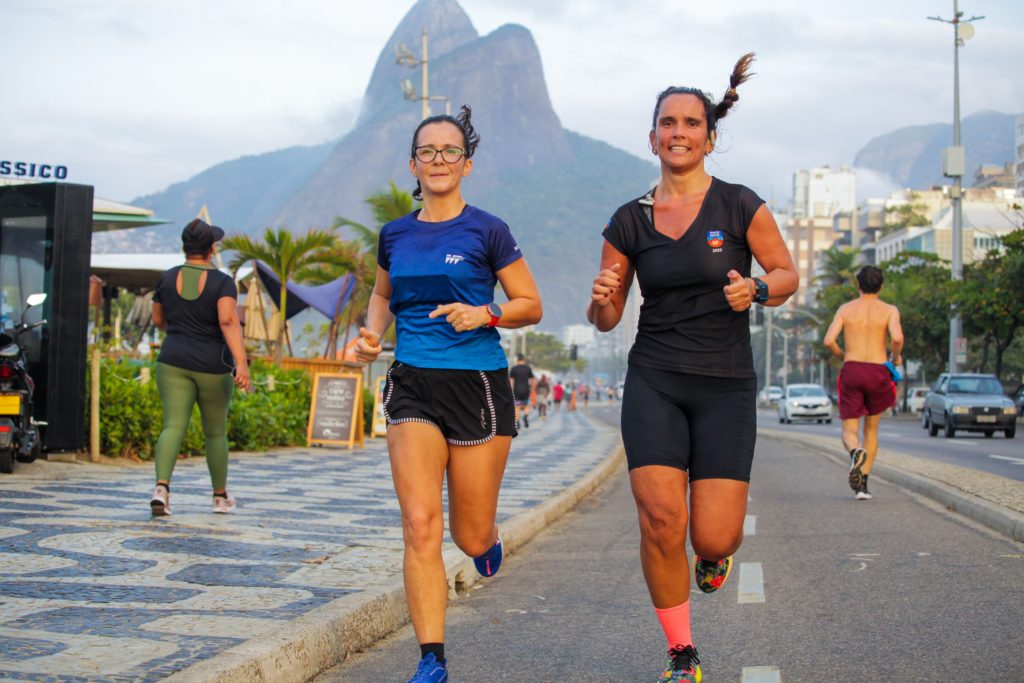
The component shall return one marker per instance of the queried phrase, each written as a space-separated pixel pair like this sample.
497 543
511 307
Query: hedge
131 416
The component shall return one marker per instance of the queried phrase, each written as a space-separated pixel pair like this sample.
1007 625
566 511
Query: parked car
770 395
1018 398
805 402
915 399
970 402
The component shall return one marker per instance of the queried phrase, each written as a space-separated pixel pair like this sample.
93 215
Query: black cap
199 236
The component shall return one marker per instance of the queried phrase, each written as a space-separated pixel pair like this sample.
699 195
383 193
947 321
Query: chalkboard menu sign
336 410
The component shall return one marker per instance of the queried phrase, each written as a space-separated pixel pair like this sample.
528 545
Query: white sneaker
224 505
160 504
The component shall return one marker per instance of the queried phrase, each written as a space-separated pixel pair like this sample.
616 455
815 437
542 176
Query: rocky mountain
912 156
556 189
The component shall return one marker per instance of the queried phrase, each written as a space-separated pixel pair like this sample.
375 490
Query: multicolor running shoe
711 575
430 670
683 666
862 492
489 563
858 456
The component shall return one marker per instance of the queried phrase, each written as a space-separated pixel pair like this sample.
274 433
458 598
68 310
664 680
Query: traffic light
572 352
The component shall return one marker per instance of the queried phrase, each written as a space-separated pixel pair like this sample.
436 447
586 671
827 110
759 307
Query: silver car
969 402
805 402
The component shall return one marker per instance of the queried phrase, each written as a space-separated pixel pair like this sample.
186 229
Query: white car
805 402
770 395
915 399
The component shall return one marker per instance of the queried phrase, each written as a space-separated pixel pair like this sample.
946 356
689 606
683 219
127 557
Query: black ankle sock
436 648
221 495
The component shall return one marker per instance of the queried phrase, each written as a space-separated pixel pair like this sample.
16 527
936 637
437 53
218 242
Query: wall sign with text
31 169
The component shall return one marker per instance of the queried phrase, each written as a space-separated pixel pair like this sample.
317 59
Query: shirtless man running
866 386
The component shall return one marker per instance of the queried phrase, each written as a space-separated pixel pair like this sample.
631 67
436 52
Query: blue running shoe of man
489 563
430 670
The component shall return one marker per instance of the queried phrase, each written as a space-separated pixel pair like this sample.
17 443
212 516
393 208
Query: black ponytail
713 112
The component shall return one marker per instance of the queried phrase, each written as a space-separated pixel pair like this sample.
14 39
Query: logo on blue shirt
453 258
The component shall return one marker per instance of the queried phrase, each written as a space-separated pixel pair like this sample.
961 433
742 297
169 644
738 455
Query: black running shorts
469 407
704 425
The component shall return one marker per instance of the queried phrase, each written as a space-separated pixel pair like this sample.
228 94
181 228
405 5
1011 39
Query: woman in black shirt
688 413
196 305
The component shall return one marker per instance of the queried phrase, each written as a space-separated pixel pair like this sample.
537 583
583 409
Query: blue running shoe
430 670
489 563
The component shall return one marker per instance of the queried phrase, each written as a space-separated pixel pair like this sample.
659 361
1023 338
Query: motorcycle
19 437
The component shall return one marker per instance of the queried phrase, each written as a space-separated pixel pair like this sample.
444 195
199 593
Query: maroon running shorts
865 389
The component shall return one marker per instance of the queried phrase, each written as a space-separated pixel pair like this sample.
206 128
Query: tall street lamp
953 166
407 58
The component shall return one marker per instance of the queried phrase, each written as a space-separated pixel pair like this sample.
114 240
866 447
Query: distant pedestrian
688 413
867 386
197 305
570 396
543 393
522 386
557 393
585 394
448 400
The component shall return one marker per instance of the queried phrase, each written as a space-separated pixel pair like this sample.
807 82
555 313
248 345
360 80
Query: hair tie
731 92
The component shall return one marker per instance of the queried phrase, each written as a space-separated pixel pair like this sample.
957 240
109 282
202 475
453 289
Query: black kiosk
45 246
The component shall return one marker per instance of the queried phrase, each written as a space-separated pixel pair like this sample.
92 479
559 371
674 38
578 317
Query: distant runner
866 385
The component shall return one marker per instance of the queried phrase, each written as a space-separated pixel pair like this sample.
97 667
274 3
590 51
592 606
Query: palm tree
285 255
837 266
358 256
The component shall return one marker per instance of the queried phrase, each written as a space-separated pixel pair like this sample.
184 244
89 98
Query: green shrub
131 415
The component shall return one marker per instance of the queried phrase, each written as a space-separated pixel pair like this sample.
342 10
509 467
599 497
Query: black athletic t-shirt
521 375
686 324
194 339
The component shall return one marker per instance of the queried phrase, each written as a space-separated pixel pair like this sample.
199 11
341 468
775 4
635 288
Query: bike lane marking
750 525
761 674
751 588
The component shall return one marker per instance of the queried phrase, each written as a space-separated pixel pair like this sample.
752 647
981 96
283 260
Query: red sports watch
494 310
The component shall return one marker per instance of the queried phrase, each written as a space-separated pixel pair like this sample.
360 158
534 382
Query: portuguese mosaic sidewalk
93 589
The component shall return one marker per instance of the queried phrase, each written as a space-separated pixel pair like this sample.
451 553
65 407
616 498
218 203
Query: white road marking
751 589
962 443
761 674
1015 461
750 525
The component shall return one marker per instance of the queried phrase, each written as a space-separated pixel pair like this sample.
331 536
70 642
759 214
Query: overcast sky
132 95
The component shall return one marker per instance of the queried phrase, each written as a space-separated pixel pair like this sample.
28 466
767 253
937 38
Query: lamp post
953 163
407 58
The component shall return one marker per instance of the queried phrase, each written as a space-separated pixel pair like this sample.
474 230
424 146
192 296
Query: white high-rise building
824 192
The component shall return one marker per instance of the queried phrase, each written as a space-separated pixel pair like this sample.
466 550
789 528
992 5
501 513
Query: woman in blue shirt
448 399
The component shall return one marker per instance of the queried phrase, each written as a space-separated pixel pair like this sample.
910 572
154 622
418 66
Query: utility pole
406 58
953 166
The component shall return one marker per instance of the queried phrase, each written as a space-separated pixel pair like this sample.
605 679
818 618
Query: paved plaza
94 589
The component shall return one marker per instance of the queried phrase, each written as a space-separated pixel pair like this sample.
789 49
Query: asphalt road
997 455
892 589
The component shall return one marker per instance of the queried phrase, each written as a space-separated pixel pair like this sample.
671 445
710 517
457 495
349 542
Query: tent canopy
328 299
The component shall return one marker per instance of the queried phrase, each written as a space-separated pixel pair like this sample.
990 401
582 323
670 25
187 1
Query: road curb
325 636
993 515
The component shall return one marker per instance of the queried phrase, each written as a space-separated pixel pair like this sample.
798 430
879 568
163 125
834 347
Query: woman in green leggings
196 305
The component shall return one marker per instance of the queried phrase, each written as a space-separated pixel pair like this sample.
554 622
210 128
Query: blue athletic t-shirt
430 264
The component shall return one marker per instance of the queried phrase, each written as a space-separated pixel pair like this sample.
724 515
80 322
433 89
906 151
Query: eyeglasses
450 155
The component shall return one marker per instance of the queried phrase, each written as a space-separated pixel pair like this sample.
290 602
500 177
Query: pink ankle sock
675 622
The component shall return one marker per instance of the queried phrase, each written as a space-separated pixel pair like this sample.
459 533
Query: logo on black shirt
716 238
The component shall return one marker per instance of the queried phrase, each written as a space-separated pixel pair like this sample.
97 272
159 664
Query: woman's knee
422 530
664 526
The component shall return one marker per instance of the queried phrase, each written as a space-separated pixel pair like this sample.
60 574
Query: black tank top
686 324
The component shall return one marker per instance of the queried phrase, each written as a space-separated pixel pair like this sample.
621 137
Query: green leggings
181 389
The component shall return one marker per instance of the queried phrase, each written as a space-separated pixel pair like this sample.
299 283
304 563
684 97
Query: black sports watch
760 290
495 312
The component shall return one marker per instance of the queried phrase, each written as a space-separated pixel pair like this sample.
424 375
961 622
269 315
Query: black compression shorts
469 407
704 425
